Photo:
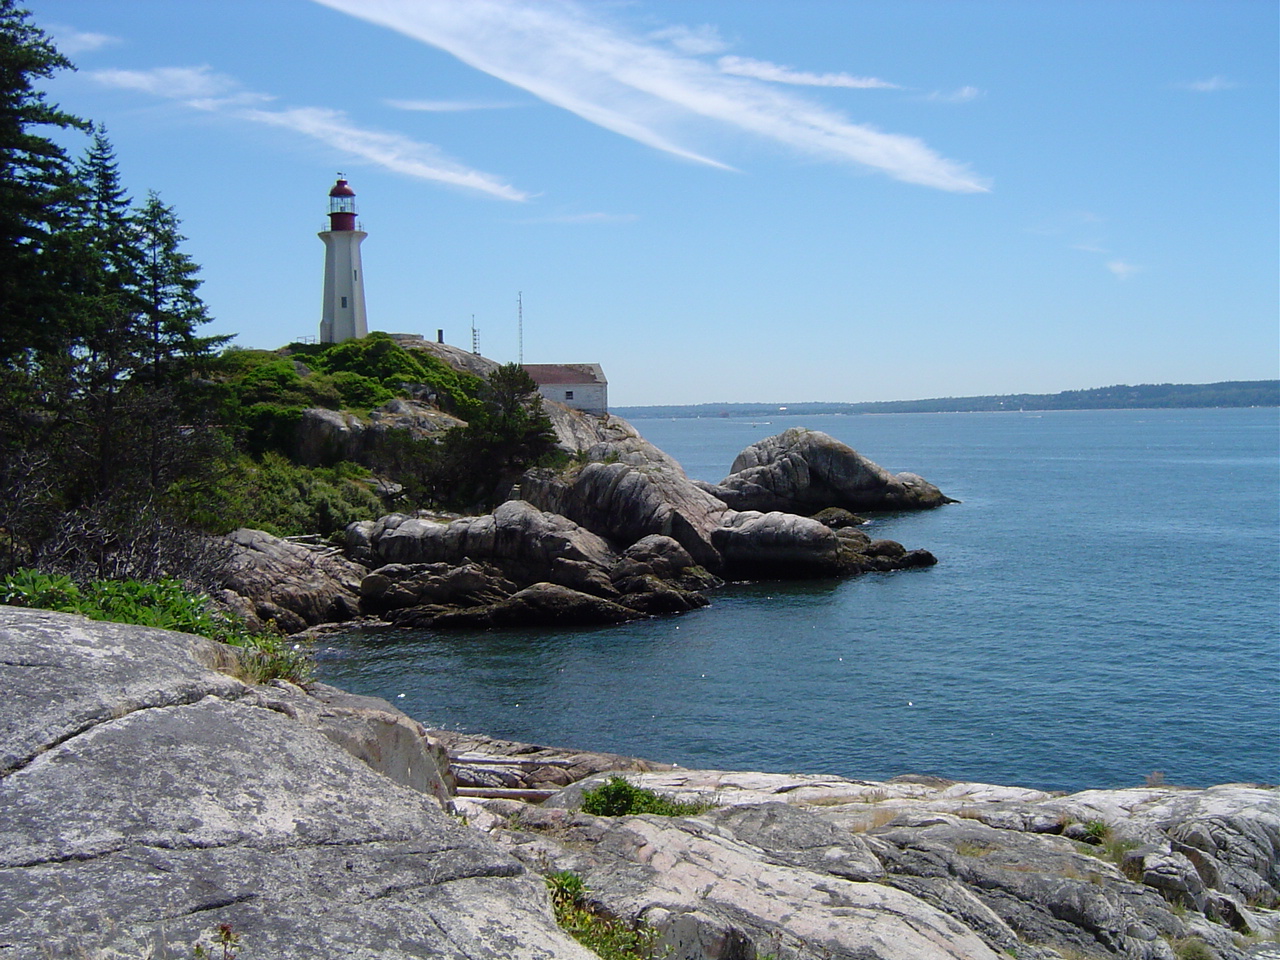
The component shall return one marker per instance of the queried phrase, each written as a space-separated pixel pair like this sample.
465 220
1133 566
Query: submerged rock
539 605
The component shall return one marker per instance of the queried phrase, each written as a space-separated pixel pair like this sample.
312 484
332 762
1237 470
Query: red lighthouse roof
342 189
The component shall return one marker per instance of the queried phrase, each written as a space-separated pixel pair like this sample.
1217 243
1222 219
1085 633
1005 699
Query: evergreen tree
36 189
100 421
167 282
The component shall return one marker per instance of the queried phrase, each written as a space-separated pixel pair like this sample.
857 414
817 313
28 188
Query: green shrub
165 604
610 939
379 358
360 392
285 499
618 797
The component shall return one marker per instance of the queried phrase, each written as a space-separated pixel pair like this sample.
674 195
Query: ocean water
1106 605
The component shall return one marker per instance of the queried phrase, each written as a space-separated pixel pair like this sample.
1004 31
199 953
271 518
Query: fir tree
36 188
167 281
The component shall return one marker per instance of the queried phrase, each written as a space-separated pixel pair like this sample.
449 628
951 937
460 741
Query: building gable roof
550 374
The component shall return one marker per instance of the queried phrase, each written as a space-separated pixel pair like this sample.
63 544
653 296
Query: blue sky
724 201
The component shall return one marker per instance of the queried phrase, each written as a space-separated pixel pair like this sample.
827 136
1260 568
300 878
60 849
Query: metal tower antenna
475 336
520 323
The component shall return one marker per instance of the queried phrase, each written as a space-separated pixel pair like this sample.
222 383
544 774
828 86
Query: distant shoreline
1227 393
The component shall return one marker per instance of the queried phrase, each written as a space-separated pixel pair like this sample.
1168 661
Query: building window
568 394
355 274
344 303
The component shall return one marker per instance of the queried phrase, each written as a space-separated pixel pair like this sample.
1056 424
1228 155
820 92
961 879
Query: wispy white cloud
1211 85
445 106
764 70
389 150
202 89
71 41
699 40
959 95
176 83
565 54
1121 269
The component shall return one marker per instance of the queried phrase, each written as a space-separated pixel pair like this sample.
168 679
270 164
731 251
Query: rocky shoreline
621 533
149 796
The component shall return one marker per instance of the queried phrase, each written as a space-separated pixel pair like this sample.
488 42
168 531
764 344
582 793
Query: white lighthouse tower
343 316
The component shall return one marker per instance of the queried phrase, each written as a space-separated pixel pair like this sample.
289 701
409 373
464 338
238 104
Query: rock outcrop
325 437
628 489
577 545
803 471
518 566
824 867
464 361
146 797
265 578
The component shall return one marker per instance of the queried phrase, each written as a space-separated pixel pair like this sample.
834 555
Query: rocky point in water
153 800
620 533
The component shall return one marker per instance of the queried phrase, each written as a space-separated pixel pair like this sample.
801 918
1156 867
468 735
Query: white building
581 386
342 316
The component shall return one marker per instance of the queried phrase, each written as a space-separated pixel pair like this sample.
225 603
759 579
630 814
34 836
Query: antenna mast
520 323
475 336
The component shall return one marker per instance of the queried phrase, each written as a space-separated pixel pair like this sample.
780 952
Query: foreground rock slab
147 797
806 866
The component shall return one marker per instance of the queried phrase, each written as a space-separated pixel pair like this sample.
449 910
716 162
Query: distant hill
1229 393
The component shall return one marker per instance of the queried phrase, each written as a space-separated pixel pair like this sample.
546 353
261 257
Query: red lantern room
342 206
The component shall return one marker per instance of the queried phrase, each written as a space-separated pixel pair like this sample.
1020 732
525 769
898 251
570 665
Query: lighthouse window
568 394
344 303
355 274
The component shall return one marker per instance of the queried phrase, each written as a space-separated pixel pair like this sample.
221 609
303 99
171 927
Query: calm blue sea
1106 604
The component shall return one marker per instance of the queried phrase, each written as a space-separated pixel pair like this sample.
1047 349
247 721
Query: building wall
343 280
587 397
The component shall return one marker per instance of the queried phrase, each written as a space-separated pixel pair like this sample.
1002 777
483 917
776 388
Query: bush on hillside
285 499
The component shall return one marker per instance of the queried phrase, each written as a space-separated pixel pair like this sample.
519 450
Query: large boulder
775 545
296 585
626 490
146 799
400 585
324 437
804 471
527 544
577 431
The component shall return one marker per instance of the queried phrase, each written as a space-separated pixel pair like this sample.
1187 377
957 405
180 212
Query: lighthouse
343 316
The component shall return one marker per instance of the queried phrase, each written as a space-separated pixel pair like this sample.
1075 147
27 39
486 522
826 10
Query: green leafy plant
619 797
608 937
1097 830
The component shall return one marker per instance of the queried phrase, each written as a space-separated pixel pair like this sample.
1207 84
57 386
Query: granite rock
147 798
293 584
805 471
